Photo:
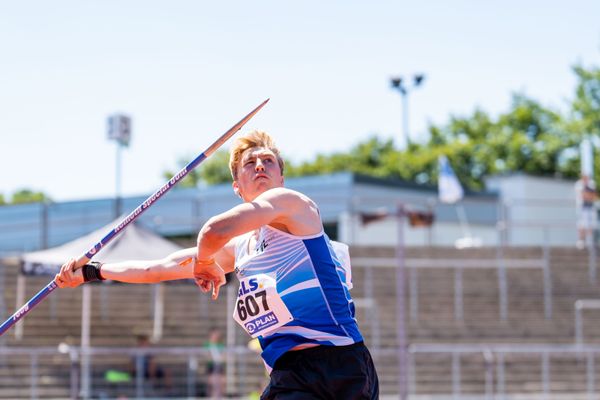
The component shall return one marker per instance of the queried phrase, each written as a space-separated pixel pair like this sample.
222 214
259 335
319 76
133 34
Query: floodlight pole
398 83
118 205
119 130
400 306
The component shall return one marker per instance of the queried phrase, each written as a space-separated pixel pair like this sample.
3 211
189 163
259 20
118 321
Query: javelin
41 295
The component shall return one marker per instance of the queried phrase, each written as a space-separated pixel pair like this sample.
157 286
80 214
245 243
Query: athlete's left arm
282 208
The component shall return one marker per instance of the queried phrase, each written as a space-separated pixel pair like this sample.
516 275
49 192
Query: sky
186 71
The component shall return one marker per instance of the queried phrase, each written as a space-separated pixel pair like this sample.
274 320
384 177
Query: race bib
259 308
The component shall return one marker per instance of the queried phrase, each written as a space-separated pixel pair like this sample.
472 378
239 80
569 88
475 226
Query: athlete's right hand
209 275
68 276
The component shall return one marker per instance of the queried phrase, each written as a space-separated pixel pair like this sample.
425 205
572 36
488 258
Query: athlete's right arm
177 265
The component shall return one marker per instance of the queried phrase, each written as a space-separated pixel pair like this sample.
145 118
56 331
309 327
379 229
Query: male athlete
294 292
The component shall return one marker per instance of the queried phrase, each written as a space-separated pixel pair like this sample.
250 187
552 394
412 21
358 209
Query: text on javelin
151 199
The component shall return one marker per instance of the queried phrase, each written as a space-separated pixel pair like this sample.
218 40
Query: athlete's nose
259 166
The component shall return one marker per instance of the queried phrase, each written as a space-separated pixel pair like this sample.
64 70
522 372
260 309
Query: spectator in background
215 367
587 219
153 373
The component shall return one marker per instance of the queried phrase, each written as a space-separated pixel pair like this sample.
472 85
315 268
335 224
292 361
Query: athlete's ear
236 189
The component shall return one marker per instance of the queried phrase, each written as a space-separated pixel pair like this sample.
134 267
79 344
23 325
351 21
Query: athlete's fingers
215 292
217 285
203 284
67 273
77 276
59 281
206 286
67 266
64 277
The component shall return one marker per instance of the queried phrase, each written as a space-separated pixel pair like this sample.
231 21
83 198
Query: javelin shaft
167 186
21 312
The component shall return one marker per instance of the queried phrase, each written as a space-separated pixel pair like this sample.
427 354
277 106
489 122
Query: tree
23 196
586 105
216 169
529 138
212 171
370 157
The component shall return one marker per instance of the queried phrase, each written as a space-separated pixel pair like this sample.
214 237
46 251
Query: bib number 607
248 306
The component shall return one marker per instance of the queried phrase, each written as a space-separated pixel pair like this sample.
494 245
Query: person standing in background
587 218
215 367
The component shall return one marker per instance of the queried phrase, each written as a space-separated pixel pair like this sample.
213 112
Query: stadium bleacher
189 315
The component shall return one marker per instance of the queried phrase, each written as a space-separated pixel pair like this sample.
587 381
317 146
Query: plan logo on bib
261 323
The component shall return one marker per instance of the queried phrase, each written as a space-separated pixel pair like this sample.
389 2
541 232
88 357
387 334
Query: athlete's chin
264 185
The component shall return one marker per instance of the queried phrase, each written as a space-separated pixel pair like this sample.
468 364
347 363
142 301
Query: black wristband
91 271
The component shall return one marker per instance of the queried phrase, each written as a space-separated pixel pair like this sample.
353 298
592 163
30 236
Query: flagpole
462 219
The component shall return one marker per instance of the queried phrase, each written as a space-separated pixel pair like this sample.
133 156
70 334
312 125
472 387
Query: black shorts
324 372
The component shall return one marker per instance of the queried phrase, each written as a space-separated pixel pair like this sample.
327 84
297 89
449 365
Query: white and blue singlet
294 290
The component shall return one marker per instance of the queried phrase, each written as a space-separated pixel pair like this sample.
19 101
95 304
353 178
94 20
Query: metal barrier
494 373
370 304
501 264
188 355
504 227
579 306
497 353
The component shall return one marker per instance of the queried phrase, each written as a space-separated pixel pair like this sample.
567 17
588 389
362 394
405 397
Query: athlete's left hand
209 275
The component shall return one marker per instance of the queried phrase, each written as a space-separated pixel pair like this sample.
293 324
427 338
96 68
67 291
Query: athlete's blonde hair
248 141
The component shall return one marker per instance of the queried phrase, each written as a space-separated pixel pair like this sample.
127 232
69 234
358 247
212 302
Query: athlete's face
257 172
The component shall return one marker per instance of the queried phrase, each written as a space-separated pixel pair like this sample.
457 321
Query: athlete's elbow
213 231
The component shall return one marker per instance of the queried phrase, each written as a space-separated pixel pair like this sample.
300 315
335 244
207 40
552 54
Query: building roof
181 212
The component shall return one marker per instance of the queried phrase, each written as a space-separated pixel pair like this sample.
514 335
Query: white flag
587 157
449 188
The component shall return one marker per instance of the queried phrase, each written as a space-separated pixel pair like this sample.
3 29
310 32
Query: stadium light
119 129
399 83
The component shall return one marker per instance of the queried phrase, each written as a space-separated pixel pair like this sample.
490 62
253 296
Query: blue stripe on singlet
308 275
327 274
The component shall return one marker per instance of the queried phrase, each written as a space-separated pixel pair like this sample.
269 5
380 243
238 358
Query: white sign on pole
119 128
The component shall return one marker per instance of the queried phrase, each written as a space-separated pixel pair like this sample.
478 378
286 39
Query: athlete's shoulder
287 197
284 192
296 213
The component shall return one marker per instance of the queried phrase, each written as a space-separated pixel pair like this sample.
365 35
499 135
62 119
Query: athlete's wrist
91 272
205 261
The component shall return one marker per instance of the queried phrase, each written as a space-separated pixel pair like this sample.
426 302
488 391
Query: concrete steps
190 315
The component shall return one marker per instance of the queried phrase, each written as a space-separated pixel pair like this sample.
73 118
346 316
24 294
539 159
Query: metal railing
580 305
495 365
459 265
187 356
494 374
373 319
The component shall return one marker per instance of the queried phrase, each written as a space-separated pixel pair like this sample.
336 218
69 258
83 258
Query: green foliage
586 105
2 201
528 138
216 168
191 180
370 157
23 196
212 171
